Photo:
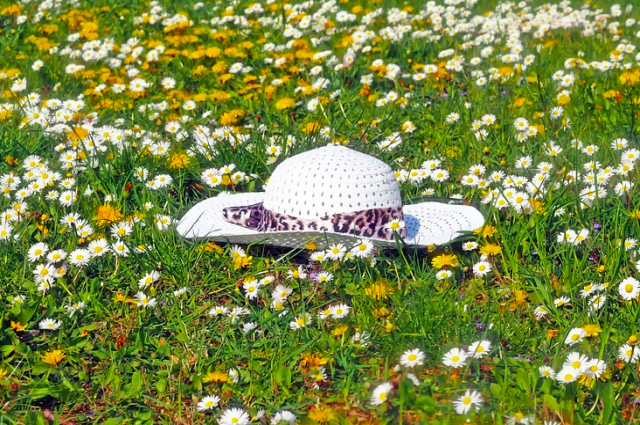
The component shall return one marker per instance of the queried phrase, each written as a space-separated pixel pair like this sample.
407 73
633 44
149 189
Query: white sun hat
328 195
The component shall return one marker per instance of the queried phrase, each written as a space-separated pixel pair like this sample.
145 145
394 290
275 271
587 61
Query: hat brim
428 223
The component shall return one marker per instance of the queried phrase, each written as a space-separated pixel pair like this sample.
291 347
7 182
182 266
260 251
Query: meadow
116 117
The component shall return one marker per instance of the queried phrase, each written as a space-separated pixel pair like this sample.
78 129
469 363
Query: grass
118 357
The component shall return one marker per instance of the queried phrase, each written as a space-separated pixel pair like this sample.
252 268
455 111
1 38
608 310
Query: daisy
298 273
547 372
628 353
469 246
339 311
98 247
37 251
455 358
362 249
444 274
629 289
411 358
148 279
576 360
568 375
218 311
318 256
481 268
234 416
562 301
324 277
49 324
251 288
207 403
144 301
336 252
80 257
395 225
595 368
575 336
479 349
381 393
281 292
470 400
300 322
284 416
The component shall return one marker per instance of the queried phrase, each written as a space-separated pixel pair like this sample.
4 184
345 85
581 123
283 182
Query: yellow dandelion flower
444 260
54 357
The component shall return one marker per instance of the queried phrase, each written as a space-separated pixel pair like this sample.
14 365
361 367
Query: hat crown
331 180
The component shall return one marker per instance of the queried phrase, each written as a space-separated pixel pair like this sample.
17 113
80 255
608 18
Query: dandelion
54 357
444 260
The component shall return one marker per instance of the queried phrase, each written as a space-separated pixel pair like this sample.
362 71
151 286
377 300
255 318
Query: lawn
117 117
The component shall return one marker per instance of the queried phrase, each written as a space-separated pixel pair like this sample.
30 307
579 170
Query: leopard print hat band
370 223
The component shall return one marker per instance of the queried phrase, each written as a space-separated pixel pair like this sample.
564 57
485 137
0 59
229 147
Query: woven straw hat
328 195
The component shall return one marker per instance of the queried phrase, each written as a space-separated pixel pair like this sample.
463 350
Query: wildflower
300 322
481 268
80 257
444 260
628 353
629 289
208 402
234 416
144 301
381 393
547 372
340 311
479 349
284 416
568 375
107 214
470 400
575 336
49 324
411 358
455 358
251 287
592 330
324 277
595 368
298 273
54 357
443 274
148 279
362 249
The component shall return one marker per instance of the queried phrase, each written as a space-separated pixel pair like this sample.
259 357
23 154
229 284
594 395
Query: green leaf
283 377
427 404
496 390
551 402
112 421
